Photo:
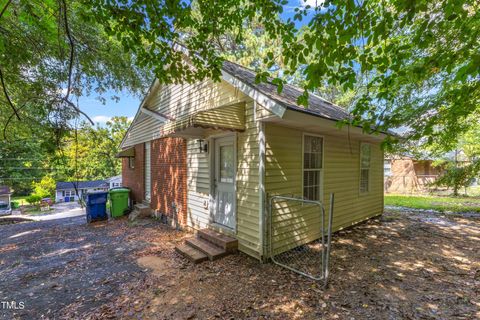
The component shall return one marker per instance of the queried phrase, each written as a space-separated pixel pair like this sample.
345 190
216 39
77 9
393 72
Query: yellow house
212 154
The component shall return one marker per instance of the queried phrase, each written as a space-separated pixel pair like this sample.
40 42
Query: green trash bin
118 201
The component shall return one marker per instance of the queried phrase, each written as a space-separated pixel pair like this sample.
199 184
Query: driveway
403 265
60 211
60 265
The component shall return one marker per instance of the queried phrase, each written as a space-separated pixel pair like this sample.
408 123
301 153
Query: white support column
261 183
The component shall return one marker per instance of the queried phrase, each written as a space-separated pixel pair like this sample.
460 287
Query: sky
100 113
128 104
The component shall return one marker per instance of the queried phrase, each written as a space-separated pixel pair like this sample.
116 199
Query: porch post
261 185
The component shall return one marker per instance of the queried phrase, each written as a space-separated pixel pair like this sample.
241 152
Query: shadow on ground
399 266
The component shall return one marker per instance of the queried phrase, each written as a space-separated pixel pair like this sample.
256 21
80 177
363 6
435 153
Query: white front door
148 181
224 182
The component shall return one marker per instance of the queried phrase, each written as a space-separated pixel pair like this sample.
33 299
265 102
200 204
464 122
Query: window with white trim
312 167
365 159
68 193
387 168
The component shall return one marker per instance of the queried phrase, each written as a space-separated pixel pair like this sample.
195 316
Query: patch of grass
36 210
21 200
454 204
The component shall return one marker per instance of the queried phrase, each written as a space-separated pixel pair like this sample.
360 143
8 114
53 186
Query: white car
5 208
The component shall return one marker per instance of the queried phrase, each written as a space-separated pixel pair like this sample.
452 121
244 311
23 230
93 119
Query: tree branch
8 122
77 109
5 92
72 49
5 8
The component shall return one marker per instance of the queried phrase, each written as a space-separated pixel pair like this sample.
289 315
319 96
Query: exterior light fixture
202 146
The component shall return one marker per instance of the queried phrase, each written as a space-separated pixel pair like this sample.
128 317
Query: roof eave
267 102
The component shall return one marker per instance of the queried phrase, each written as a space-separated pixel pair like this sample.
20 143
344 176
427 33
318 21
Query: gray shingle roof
288 97
82 184
4 190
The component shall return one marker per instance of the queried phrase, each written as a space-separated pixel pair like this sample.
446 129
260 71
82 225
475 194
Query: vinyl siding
179 100
198 186
296 224
248 230
247 201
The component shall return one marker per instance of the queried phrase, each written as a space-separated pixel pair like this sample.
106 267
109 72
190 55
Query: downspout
261 184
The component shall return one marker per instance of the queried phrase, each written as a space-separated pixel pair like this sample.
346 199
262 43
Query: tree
26 151
88 153
410 64
457 177
416 61
254 51
52 52
45 187
469 142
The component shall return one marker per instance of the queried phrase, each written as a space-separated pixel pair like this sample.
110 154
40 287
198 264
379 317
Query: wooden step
225 242
192 254
212 251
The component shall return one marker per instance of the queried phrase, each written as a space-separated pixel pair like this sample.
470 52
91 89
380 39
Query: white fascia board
153 86
257 96
154 115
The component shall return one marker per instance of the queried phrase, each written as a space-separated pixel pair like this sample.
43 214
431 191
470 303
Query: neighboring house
407 175
66 191
212 154
5 201
115 182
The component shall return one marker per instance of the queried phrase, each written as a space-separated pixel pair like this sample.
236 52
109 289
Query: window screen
387 168
312 167
365 157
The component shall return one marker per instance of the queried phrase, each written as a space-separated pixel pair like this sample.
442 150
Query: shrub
33 198
458 177
45 188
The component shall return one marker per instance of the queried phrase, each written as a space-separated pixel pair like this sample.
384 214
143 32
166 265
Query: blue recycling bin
96 203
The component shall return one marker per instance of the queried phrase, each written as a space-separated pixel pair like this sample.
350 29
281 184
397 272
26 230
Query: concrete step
143 210
225 242
212 251
192 254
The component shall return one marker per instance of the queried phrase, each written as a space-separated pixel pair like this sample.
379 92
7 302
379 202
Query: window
131 162
387 168
312 167
227 171
68 193
365 157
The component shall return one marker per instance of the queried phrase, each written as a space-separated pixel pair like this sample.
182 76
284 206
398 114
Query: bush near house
33 199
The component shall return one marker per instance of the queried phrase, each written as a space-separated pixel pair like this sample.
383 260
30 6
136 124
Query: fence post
329 239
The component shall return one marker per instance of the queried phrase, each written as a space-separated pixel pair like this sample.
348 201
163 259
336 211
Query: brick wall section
169 177
134 178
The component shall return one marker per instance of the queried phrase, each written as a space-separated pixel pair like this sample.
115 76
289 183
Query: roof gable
241 79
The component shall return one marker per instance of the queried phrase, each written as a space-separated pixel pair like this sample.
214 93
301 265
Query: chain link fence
299 236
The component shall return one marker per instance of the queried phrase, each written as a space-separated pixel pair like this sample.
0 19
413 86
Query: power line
20 159
24 168
28 178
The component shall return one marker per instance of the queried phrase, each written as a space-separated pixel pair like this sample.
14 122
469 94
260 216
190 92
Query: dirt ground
403 265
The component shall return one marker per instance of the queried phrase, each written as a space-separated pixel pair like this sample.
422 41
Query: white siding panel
198 186
178 100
